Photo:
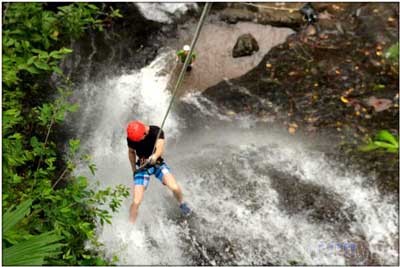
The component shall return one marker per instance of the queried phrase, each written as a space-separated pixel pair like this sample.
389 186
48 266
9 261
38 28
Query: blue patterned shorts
143 177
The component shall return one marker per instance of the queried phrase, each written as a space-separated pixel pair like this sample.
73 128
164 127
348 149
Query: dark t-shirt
144 148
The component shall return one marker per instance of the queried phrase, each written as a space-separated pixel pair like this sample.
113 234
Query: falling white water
164 12
114 101
375 217
109 104
226 177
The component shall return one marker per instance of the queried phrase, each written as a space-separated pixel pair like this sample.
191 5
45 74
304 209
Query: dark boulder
246 45
233 16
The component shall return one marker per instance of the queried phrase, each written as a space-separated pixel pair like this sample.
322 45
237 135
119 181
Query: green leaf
12 217
36 37
92 168
70 165
8 42
10 76
25 44
383 140
393 53
49 161
385 135
46 112
32 251
16 179
115 13
16 136
59 116
31 60
37 147
74 145
57 54
32 70
73 107
65 50
378 87
42 54
91 6
384 145
393 150
46 191
82 181
368 147
41 65
57 70
12 112
65 210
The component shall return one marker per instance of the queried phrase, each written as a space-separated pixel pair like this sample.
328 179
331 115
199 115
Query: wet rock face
317 203
131 42
322 78
233 16
246 45
274 14
214 49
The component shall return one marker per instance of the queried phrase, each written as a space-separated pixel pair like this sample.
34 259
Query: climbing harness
147 166
182 74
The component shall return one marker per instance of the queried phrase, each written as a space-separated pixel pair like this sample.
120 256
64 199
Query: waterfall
231 177
164 12
259 195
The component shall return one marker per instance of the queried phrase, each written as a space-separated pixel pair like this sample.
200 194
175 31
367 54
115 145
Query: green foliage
383 140
78 16
28 32
76 215
37 177
378 87
34 249
393 53
12 216
115 13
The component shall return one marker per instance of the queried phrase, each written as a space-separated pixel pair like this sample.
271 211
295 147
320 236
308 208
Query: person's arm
159 148
178 55
132 158
192 59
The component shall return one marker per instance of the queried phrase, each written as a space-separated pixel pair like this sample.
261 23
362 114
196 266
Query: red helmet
135 131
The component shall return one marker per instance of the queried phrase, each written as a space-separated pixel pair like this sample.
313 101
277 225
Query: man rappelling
147 143
144 144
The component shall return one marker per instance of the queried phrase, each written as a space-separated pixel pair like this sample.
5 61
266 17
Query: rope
183 71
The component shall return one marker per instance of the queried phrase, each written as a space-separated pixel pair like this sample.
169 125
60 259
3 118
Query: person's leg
169 180
163 174
137 199
141 181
